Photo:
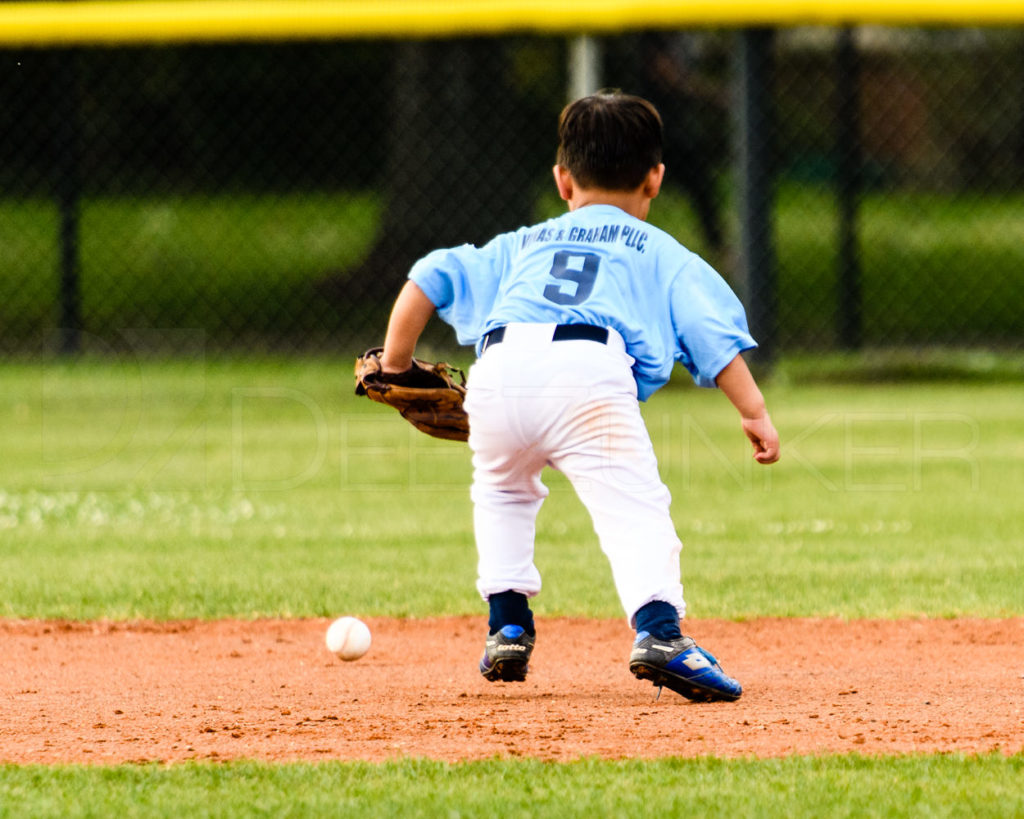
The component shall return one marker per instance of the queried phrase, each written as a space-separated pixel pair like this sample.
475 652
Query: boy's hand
764 437
739 386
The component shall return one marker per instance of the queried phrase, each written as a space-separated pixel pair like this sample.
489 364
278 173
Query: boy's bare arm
740 388
409 316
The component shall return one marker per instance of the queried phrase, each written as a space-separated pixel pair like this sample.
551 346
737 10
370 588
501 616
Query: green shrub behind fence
273 195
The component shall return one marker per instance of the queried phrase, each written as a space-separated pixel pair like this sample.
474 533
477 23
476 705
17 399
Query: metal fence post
848 191
67 192
755 153
584 66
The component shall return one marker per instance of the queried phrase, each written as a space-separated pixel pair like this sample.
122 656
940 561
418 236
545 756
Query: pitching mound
269 690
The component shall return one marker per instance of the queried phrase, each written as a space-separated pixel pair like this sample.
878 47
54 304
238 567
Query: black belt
563 332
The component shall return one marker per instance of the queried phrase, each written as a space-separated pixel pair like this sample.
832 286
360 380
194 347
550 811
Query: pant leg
507 492
504 524
608 457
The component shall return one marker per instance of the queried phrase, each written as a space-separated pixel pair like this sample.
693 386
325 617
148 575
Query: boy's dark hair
609 140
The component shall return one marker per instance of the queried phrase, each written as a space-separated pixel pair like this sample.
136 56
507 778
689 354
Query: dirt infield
269 690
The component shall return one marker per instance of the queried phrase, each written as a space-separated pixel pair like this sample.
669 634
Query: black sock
659 619
509 608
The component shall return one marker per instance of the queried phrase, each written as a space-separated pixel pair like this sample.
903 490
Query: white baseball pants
533 402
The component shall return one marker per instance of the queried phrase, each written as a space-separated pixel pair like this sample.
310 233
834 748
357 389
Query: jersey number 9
583 276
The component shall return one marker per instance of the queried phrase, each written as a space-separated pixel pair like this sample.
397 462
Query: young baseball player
575 320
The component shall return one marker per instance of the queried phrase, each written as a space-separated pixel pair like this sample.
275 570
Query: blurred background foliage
239 197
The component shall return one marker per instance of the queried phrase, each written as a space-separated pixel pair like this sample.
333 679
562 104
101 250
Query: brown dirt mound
269 690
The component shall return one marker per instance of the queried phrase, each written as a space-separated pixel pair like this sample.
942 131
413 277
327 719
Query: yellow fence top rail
157 21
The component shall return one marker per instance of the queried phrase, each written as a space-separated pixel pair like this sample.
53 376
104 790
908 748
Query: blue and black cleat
682 666
507 655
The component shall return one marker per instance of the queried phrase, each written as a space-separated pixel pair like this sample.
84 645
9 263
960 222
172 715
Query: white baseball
348 638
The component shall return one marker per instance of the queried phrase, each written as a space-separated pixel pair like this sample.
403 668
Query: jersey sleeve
462 282
709 322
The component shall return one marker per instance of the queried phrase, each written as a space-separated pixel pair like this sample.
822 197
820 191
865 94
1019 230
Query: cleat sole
685 688
506 671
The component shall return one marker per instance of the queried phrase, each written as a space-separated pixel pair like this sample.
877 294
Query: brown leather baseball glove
427 395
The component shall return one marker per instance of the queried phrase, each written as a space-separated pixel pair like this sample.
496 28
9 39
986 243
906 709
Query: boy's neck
635 202
629 201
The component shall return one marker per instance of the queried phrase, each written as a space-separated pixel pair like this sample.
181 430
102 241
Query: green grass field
933 786
166 490
249 489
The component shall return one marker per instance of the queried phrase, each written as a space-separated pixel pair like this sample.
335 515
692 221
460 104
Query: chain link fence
240 197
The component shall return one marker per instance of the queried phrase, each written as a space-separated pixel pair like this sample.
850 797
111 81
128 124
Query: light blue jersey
595 265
